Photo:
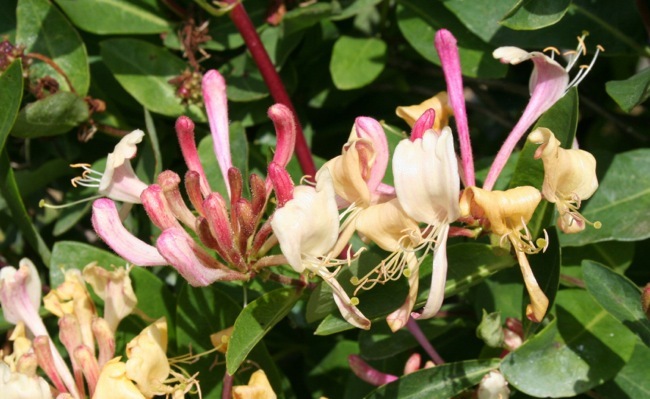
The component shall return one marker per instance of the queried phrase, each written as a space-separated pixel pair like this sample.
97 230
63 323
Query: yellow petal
439 103
258 388
351 170
387 224
148 365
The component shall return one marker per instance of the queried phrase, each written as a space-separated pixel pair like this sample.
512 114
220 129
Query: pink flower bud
157 208
282 183
368 373
185 134
424 123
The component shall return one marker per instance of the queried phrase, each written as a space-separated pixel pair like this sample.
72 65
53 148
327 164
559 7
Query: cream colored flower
148 365
115 288
569 178
114 383
258 388
15 385
506 214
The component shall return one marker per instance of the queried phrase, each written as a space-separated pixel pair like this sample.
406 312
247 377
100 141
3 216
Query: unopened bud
258 193
645 300
412 363
157 208
105 340
169 182
236 184
193 189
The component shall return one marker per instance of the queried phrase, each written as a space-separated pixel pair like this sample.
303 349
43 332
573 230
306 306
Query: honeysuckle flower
548 83
115 289
114 383
569 178
258 387
147 363
493 386
72 298
439 103
428 187
20 296
216 106
118 181
16 385
507 213
307 246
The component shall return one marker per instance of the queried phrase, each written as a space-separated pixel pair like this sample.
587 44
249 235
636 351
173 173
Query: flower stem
246 28
419 336
226 392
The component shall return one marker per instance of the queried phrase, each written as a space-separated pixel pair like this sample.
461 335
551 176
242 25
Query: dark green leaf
8 19
616 255
11 93
356 62
301 18
144 70
21 218
581 349
619 296
531 14
621 202
440 382
76 255
255 321
44 30
114 17
632 381
354 7
50 116
418 20
630 92
152 136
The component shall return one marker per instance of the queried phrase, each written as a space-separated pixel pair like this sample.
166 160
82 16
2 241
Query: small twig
54 66
226 392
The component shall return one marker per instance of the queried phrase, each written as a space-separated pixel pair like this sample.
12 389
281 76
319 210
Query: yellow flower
507 213
569 178
439 103
114 383
148 365
258 388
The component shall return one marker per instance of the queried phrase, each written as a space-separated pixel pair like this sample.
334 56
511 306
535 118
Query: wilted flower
569 178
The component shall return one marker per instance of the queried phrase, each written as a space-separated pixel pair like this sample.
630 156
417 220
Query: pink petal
107 224
282 183
424 123
368 373
216 105
371 129
185 134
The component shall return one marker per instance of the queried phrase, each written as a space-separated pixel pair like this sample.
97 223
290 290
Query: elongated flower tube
306 238
428 187
548 83
507 213
216 106
569 178
108 226
118 181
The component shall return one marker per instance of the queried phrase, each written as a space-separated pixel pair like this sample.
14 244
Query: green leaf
356 62
255 321
440 382
11 94
418 20
630 92
76 255
53 115
469 264
114 17
43 29
354 7
621 202
616 255
619 296
21 218
152 137
239 154
301 18
381 343
144 70
581 349
632 381
532 14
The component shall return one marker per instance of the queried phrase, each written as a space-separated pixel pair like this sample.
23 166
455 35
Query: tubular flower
308 246
548 83
118 181
113 382
15 385
439 103
428 187
569 178
507 213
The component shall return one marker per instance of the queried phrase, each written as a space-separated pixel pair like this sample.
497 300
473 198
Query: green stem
645 51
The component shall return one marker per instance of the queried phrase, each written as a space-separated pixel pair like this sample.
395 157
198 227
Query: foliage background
340 60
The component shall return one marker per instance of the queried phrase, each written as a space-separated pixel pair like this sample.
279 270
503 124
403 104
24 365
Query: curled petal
348 310
368 373
426 178
107 224
388 226
425 122
196 266
440 105
370 129
400 316
438 278
285 130
113 382
351 170
216 105
20 295
119 181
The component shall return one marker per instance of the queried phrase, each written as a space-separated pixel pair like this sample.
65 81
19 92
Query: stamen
584 69
43 204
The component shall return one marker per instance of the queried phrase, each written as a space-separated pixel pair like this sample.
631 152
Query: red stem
246 28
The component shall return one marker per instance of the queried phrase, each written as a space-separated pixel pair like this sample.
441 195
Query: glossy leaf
621 202
469 264
356 62
418 20
43 29
11 93
72 254
144 70
21 218
632 381
443 381
531 14
619 296
630 92
257 318
581 349
51 116
114 17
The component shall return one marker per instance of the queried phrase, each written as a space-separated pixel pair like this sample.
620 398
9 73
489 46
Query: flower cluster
434 197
